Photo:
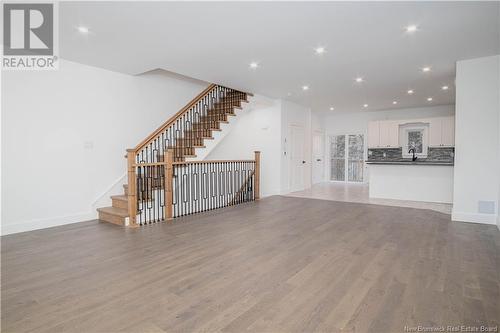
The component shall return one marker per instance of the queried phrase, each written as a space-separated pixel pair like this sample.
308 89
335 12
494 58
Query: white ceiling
216 41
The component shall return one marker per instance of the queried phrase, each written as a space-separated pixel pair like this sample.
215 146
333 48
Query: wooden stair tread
186 147
122 197
212 121
203 129
113 211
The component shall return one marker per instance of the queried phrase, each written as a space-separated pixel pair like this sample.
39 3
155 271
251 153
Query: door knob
303 162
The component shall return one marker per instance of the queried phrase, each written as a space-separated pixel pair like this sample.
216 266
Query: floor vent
486 207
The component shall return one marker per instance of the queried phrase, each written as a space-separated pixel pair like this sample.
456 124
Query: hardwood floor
280 264
359 192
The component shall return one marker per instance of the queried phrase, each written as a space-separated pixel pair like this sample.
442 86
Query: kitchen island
422 180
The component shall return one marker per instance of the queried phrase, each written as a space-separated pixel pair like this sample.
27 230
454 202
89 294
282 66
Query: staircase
154 163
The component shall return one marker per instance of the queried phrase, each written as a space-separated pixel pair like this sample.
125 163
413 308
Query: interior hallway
352 192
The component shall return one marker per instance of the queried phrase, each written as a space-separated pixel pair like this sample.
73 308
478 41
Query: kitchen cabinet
448 132
389 134
374 134
383 134
442 132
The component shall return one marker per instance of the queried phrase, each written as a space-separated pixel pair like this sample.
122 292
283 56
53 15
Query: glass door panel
337 155
355 162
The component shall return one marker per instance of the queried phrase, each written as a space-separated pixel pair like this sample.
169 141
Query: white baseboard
474 217
13 228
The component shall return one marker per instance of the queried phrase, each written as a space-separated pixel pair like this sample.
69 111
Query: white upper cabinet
435 132
383 134
442 132
448 131
374 134
393 136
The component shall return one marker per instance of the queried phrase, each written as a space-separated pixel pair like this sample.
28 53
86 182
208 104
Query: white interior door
318 173
297 158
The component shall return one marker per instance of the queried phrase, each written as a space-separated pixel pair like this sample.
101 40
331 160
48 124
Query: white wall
64 135
257 128
265 127
357 122
477 157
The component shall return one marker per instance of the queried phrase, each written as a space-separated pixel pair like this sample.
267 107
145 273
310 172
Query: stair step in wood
204 127
226 104
214 117
113 215
120 201
188 144
205 121
224 108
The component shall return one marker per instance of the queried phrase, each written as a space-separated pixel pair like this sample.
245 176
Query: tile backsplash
433 154
441 154
385 153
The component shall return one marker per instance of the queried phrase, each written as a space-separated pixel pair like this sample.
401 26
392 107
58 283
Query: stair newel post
169 179
132 191
257 175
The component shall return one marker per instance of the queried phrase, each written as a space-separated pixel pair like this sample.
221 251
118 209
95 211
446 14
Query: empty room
250 166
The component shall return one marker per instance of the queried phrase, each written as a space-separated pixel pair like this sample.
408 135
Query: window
416 140
414 136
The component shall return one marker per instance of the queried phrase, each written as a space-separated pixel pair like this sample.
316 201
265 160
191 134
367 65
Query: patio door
347 157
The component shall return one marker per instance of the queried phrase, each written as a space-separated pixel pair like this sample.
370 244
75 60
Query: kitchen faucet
414 157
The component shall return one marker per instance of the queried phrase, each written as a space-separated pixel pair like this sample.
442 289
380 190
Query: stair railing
148 166
200 186
178 188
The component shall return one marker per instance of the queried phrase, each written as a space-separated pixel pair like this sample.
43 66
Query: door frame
365 153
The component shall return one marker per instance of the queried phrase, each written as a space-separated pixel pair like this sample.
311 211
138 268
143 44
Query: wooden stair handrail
211 161
169 122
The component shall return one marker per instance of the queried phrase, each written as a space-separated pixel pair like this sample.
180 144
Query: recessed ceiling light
429 99
83 30
332 108
305 87
289 94
254 65
320 50
411 28
426 69
394 102
365 105
359 79
410 91
444 87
